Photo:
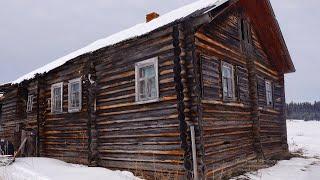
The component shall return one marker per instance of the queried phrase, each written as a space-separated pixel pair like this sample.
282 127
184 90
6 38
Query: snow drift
51 169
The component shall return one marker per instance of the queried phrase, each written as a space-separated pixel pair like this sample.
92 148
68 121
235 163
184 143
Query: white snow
51 169
135 31
302 136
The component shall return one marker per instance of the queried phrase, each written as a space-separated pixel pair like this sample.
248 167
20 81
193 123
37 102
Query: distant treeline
304 111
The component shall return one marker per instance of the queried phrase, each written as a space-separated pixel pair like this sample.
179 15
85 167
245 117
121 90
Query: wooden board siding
138 137
64 136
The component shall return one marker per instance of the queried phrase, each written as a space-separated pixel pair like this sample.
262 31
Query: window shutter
277 96
262 97
210 78
242 84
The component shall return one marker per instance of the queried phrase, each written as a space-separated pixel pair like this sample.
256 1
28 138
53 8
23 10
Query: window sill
57 113
223 103
269 109
74 111
148 101
230 100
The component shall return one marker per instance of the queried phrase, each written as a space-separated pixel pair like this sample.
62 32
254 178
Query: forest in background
304 111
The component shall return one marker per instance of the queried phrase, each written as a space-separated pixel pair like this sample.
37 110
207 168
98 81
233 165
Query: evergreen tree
304 111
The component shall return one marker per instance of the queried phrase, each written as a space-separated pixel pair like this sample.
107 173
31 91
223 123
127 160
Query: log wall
143 138
8 122
153 139
227 125
64 136
272 117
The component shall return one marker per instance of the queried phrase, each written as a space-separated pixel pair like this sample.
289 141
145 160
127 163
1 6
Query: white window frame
138 66
30 103
268 100
226 97
74 109
54 86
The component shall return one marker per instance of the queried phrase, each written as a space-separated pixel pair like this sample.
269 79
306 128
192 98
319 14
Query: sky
36 32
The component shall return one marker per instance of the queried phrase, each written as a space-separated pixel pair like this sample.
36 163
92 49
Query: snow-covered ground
51 169
302 137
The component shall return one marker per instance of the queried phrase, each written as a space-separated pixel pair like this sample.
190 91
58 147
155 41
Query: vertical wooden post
283 117
253 92
194 88
183 127
90 92
194 153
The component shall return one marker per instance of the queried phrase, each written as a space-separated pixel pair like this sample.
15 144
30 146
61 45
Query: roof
133 32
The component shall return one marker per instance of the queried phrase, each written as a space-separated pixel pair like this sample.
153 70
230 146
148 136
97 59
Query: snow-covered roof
133 32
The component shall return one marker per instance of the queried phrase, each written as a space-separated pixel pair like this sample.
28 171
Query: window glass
269 93
30 103
147 80
227 81
74 95
56 98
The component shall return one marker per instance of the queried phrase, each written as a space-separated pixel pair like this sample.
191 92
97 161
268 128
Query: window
245 31
147 87
269 93
56 98
228 81
30 103
74 95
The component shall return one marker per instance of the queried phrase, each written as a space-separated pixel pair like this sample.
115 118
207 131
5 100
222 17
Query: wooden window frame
230 66
269 102
74 109
55 86
138 66
30 103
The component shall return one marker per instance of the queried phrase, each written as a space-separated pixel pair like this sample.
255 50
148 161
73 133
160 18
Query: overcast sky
36 32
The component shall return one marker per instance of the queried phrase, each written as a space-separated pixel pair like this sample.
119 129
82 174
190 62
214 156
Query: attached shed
195 93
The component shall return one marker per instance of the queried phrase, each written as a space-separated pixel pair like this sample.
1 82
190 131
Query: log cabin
191 94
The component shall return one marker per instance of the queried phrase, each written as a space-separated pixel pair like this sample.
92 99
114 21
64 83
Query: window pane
147 71
75 87
230 88
77 99
269 95
225 86
142 88
75 95
226 72
141 73
146 79
57 99
151 88
227 81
